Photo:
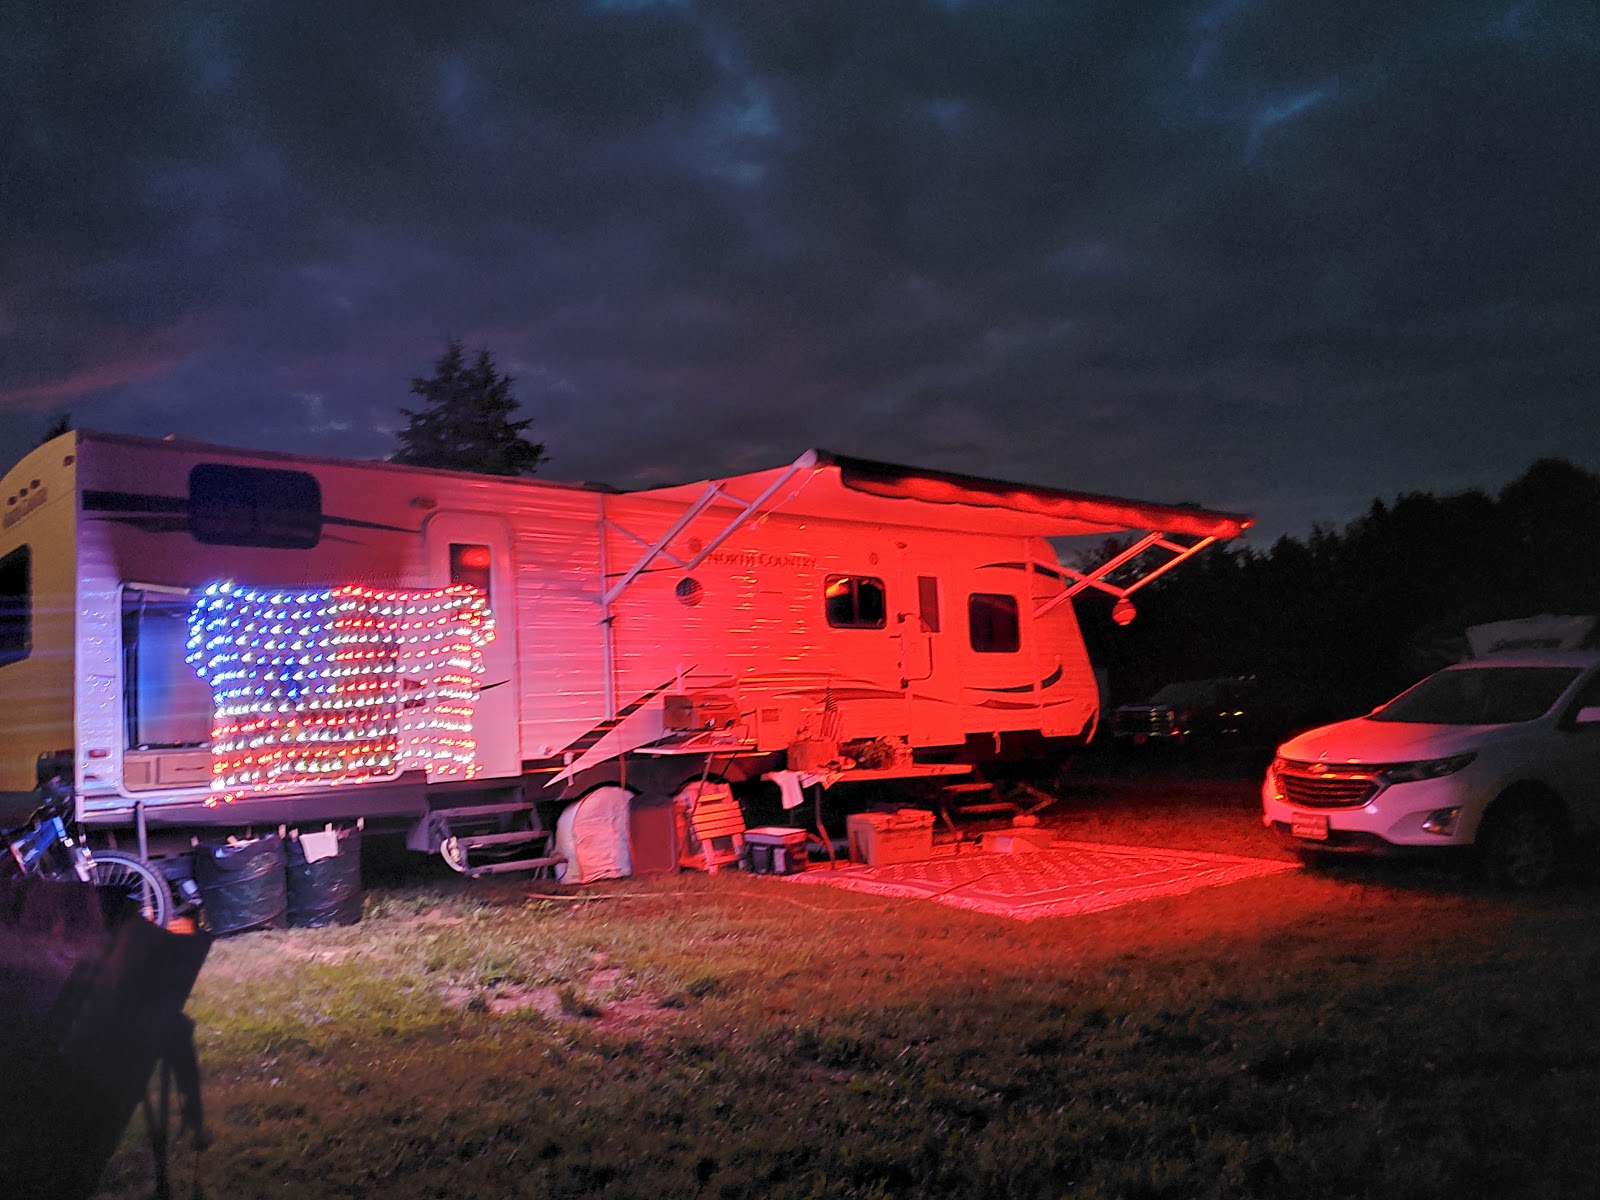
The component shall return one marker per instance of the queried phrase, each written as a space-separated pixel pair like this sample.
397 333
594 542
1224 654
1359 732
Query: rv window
993 620
166 704
928 602
252 506
469 564
855 602
16 605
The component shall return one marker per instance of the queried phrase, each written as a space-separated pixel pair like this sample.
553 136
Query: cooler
775 850
881 838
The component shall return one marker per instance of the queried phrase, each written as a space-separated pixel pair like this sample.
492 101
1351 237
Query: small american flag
830 717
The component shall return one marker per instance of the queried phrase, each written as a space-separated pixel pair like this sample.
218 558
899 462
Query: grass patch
1355 1033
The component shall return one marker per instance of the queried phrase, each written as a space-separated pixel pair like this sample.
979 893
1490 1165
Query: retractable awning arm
821 485
656 550
1099 578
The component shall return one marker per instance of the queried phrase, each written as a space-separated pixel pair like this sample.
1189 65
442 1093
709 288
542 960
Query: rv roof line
864 475
196 446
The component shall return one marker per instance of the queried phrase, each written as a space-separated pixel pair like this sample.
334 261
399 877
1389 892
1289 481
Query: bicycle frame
47 831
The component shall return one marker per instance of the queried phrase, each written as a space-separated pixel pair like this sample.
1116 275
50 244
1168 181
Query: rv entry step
971 798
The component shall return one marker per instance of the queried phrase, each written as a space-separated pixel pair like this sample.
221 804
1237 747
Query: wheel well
1529 794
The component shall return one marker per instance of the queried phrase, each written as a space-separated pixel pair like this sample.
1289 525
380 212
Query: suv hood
1364 740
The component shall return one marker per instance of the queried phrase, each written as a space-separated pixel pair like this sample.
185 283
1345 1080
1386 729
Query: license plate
1312 826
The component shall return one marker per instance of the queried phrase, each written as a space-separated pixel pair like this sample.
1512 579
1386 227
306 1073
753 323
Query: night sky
1271 258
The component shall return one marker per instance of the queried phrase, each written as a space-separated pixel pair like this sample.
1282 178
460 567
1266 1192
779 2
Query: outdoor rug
1065 879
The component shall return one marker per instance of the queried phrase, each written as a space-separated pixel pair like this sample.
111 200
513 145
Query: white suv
1501 754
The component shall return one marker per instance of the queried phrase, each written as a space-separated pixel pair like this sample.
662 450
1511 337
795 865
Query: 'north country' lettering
761 558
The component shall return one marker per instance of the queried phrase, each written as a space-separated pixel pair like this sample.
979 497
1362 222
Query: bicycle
49 847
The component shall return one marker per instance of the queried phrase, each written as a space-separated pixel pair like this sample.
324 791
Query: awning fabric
826 486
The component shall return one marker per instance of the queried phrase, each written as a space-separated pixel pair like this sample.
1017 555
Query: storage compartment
146 770
882 838
775 850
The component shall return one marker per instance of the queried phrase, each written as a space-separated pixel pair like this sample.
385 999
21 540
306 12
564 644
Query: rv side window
16 605
993 621
855 602
252 506
928 602
165 702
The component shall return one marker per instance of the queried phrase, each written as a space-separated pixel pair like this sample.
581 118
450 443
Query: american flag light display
339 686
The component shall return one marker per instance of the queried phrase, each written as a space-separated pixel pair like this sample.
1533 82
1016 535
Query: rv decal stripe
133 502
1038 568
588 740
1049 680
843 693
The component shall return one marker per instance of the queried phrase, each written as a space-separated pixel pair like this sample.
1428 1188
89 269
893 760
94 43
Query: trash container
242 884
324 878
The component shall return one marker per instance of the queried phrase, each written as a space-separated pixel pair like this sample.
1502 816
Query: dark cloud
1255 256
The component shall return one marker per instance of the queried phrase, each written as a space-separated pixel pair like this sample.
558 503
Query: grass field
1370 1031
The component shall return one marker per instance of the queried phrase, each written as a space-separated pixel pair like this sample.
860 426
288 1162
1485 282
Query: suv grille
1346 789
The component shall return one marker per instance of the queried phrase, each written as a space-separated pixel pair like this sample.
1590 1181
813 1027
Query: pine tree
62 424
465 421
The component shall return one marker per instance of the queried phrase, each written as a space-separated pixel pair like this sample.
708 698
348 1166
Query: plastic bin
775 850
243 884
883 838
324 878
1020 840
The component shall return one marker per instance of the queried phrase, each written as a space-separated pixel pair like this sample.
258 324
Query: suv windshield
1480 696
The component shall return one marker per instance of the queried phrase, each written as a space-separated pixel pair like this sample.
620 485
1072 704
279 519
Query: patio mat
1067 878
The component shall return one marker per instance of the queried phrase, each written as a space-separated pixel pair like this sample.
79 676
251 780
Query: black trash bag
326 891
93 999
243 885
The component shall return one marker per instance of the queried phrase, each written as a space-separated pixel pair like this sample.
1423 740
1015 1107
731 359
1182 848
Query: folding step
953 802
968 787
998 806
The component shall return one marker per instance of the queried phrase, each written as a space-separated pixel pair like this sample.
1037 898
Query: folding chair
716 826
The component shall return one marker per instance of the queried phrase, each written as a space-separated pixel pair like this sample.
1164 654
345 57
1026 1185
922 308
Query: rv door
475 549
928 667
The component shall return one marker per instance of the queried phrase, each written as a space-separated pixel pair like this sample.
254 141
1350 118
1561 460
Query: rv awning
823 486
948 501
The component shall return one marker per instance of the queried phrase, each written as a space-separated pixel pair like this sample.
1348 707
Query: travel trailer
204 638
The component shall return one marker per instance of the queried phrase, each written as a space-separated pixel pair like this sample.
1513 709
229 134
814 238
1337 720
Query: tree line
1342 620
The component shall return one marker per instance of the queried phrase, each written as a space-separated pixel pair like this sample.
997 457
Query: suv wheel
1520 844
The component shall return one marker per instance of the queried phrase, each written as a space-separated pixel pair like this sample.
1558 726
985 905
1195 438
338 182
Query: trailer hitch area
428 834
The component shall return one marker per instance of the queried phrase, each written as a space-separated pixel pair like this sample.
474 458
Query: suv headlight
1430 768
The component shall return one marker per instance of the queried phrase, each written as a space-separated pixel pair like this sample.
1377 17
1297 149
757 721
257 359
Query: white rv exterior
640 639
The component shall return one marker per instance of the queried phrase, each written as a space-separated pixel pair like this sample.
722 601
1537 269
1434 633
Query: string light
339 686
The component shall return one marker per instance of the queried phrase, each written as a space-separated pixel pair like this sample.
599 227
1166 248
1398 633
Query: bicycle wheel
137 880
